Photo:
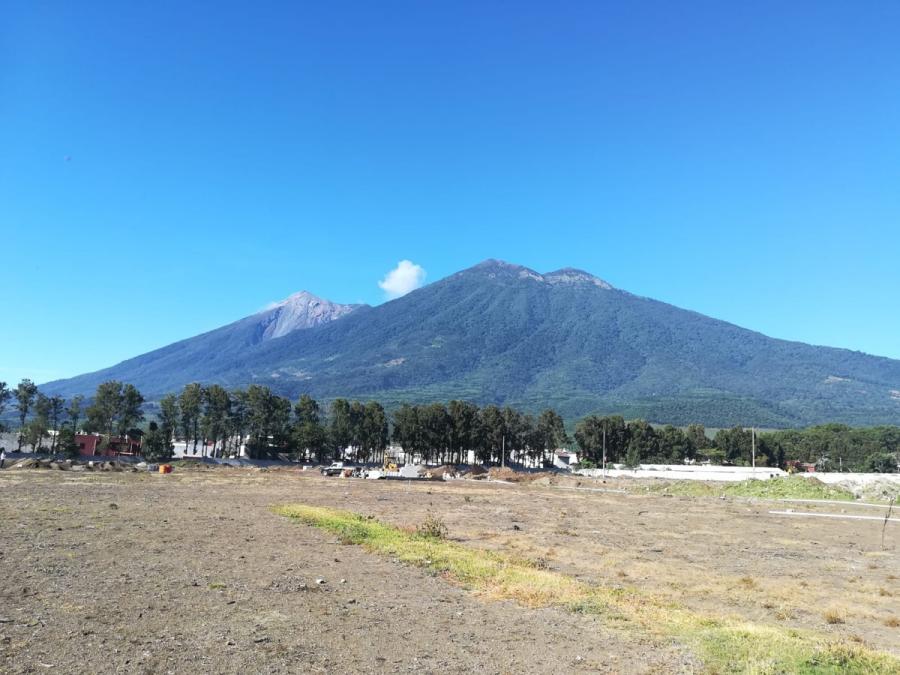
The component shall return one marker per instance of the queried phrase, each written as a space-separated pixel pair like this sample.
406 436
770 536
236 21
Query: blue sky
169 168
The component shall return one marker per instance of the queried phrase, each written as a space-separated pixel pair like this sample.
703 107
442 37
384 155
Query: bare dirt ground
191 572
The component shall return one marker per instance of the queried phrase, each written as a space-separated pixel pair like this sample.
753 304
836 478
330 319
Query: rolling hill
503 333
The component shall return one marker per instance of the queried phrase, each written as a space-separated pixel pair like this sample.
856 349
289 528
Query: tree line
47 412
211 420
266 425
830 447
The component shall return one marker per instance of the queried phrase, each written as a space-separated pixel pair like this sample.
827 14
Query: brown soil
191 572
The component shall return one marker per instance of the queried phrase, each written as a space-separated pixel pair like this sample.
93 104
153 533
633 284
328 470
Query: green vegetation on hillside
726 645
501 334
787 487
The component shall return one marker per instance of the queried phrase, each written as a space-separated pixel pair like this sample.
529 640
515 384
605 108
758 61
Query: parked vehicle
341 469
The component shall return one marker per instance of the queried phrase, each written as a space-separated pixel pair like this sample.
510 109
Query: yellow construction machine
391 460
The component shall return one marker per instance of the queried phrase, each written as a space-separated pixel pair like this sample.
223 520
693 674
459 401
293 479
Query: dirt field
191 572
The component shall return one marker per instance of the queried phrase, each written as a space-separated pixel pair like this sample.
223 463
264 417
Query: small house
565 459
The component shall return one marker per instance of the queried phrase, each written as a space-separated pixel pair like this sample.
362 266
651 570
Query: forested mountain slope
506 334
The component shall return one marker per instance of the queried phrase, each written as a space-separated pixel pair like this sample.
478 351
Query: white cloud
405 277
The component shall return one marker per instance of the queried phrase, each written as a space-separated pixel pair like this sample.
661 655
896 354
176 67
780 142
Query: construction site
220 569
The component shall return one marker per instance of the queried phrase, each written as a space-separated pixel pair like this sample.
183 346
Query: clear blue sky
166 169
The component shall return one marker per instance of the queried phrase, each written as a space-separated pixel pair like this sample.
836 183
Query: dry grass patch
726 644
833 616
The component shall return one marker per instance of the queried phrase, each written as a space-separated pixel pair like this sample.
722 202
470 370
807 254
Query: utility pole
604 451
503 452
753 446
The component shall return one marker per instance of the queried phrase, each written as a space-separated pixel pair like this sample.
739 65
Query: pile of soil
440 472
880 489
70 465
32 463
513 476
109 466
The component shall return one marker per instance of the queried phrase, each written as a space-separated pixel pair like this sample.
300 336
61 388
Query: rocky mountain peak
299 311
570 275
499 269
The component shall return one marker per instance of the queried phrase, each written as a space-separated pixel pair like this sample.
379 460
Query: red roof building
89 445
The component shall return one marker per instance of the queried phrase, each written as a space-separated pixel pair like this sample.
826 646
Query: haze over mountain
502 333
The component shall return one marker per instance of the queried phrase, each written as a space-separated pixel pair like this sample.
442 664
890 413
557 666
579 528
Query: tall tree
66 444
39 425
516 432
116 409
674 446
550 432
5 395
589 436
308 435
357 440
156 446
259 414
73 411
34 432
463 429
736 443
103 413
269 421
25 394
696 436
237 423
130 411
526 437
434 432
407 431
493 433
280 421
375 430
340 427
56 407
216 409
168 419
190 402
643 441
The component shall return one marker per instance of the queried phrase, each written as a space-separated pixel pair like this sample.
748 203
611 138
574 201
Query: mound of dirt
36 463
883 489
439 472
507 474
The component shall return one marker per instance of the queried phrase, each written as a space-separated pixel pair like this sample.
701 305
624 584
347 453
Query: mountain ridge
503 333
299 311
